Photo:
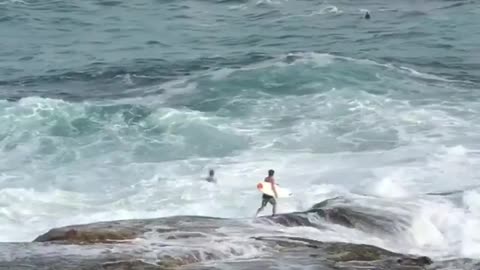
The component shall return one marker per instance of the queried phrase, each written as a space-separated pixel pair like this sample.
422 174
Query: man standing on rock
267 198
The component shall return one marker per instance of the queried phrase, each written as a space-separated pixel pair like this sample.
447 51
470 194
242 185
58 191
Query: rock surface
194 242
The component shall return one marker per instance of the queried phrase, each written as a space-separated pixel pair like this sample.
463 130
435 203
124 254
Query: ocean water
117 109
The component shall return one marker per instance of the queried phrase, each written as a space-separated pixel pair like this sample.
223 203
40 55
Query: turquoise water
115 110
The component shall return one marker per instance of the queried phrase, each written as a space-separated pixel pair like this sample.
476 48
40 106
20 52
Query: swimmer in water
211 176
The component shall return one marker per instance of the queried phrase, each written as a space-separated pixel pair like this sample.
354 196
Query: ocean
117 110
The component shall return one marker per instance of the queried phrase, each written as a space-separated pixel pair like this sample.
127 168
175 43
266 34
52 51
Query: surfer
367 15
267 198
211 176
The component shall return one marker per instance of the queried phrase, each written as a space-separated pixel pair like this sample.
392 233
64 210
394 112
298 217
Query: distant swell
103 80
145 77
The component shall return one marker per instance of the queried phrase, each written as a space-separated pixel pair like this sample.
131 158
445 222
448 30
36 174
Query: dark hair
271 172
211 171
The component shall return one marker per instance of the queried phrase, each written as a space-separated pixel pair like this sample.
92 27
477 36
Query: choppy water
117 109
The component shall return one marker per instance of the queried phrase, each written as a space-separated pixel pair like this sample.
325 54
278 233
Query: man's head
211 172
271 172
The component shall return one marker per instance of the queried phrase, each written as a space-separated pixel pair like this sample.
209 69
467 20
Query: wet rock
347 213
343 216
88 234
291 220
165 230
79 236
133 265
342 252
185 235
189 242
191 257
415 261
333 255
115 231
326 202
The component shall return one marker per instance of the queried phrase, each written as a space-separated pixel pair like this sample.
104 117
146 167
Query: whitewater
118 110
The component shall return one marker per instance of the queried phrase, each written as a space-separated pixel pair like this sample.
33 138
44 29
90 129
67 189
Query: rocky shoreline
195 242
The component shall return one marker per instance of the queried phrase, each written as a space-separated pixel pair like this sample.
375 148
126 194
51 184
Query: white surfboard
266 188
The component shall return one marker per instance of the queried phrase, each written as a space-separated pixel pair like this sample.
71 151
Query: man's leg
274 206
264 203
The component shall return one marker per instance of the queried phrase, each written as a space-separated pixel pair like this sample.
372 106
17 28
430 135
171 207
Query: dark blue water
84 50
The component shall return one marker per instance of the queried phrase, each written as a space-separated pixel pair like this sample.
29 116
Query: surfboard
266 188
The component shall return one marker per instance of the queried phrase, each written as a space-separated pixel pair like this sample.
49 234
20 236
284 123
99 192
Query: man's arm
273 188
